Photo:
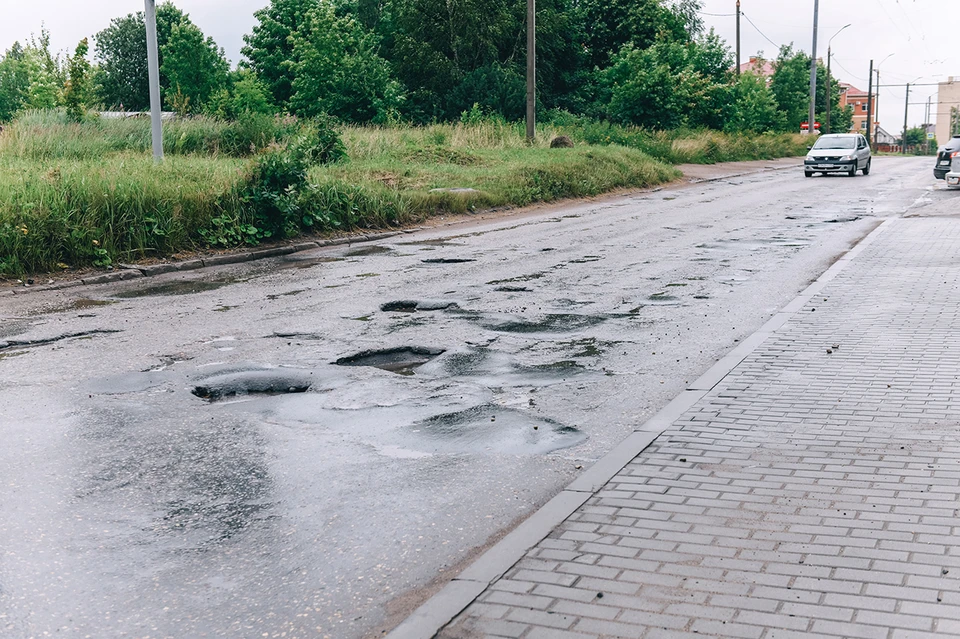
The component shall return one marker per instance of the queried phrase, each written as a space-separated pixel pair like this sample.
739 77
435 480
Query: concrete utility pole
870 105
813 70
153 64
906 109
829 129
531 70
738 39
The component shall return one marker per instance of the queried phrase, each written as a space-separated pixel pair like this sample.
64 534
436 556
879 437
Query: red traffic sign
805 125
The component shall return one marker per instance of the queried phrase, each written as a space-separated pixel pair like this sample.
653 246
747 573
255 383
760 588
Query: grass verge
75 195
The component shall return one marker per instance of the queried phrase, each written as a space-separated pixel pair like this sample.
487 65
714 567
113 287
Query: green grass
75 195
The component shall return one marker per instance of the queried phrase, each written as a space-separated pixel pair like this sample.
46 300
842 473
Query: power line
855 77
759 31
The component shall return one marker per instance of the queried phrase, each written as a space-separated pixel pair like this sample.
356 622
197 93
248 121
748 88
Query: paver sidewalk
813 492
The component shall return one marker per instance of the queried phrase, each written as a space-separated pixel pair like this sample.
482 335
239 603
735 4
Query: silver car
838 153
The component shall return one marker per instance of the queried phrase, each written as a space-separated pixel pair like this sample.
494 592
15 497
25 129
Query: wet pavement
312 444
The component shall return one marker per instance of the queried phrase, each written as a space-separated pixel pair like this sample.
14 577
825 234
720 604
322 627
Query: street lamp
829 81
906 110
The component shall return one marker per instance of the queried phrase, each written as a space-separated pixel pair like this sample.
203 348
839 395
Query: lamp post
153 66
531 70
829 80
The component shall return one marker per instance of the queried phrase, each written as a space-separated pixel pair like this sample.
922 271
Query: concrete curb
438 611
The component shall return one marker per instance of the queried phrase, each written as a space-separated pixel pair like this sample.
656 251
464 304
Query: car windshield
836 143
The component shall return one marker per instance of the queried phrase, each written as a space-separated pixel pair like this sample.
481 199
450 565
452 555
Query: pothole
368 250
551 323
447 260
411 306
182 287
261 382
402 360
493 430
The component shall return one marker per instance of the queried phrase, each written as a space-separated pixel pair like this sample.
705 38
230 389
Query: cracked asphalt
314 443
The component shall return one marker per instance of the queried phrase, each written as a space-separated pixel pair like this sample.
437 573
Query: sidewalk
806 486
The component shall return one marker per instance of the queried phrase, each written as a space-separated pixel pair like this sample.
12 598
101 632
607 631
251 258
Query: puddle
513 289
433 243
307 262
551 323
368 250
447 260
261 382
841 220
588 347
128 383
287 294
182 287
519 278
402 360
223 308
586 259
369 275
12 328
490 429
411 306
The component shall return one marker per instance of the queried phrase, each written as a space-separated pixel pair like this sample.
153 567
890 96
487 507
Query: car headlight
810 158
847 158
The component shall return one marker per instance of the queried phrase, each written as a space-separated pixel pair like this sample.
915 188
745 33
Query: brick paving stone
807 494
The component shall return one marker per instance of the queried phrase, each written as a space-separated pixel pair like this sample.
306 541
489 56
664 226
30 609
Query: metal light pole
829 81
531 70
813 70
906 109
153 65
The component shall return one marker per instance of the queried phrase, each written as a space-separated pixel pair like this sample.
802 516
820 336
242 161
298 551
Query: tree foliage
76 91
194 67
269 48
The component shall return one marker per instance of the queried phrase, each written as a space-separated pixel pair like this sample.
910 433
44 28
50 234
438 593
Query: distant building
758 66
885 141
856 98
948 98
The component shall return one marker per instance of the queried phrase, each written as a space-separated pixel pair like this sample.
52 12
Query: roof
851 90
753 66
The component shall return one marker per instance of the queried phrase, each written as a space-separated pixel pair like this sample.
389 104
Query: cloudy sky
920 34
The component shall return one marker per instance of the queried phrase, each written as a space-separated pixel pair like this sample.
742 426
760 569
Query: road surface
310 445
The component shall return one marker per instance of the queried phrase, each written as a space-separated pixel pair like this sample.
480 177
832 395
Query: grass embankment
88 194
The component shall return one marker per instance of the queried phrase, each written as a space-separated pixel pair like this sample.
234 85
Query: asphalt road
159 476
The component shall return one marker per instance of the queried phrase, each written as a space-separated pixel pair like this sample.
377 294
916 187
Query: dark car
946 153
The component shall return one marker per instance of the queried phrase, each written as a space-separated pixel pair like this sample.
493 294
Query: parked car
838 153
945 154
953 177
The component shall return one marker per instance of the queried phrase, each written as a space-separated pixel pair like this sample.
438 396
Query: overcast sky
920 34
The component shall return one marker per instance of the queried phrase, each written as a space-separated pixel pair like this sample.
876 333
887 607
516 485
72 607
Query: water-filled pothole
447 260
491 429
261 382
181 287
402 360
410 306
550 323
368 250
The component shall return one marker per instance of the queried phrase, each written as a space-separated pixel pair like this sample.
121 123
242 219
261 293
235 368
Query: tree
669 84
246 94
121 56
14 81
76 91
338 71
194 67
269 49
755 107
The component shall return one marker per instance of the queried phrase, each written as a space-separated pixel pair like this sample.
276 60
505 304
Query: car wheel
808 173
853 170
866 169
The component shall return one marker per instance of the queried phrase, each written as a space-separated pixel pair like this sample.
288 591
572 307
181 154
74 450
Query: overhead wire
759 31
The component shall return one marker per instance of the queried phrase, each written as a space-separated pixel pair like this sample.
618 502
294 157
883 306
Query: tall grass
88 194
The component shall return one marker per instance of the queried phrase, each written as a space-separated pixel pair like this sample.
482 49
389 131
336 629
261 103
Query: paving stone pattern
810 494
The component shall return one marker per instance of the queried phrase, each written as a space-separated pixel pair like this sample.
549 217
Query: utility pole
531 70
828 129
870 106
813 70
153 66
738 39
906 109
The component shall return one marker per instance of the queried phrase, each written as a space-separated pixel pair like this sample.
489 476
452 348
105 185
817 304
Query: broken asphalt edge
443 607
131 272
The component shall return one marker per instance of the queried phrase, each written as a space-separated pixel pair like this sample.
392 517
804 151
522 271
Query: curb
130 271
438 611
